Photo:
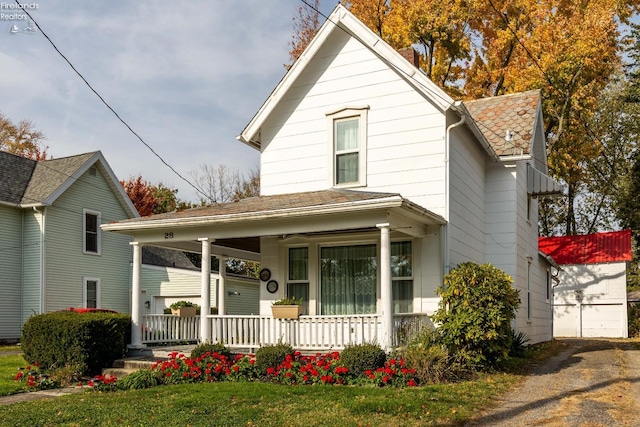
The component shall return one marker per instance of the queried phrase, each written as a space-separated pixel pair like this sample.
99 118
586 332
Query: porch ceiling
237 226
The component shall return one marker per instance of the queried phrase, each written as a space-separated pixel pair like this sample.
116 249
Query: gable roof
28 183
516 113
343 20
614 246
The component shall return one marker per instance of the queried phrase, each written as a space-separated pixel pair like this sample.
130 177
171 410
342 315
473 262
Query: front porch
307 333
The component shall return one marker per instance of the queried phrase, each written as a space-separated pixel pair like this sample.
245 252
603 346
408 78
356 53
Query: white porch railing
167 328
315 333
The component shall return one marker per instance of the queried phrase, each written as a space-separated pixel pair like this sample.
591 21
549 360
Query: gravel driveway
594 382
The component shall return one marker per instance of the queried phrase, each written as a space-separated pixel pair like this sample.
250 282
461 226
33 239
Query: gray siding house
54 255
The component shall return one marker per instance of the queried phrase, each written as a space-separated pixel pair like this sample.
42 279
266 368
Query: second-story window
349 138
91 230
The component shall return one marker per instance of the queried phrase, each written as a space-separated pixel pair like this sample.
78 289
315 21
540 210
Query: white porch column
386 296
221 286
205 290
136 313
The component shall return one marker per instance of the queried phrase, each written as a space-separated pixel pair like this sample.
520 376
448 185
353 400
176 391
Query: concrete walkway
42 394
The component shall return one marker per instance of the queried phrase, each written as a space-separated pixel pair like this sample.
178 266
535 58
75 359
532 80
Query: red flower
411 383
270 370
236 368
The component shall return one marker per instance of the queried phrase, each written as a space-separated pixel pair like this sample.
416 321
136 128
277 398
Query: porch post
386 296
221 286
205 290
136 315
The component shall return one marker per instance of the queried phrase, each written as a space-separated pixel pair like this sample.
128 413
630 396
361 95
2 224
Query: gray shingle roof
28 182
15 173
515 113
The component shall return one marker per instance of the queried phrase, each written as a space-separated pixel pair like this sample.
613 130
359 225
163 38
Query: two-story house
374 184
54 254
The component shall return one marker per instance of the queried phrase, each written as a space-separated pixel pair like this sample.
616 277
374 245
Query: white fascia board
387 202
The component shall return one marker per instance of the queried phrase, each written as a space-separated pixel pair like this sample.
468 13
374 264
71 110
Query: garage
590 320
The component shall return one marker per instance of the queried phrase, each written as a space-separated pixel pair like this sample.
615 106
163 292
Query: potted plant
183 308
287 308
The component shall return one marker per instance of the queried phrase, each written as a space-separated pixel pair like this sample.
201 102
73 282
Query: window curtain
348 279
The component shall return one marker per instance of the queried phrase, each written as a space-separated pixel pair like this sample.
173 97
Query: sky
187 76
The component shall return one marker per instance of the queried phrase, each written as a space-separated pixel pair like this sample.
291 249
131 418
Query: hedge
86 342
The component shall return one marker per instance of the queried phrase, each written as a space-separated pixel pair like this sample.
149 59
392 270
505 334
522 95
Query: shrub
85 341
204 348
359 358
144 378
270 356
519 343
634 320
475 312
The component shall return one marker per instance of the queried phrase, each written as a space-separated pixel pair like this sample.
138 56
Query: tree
305 26
222 184
22 139
152 199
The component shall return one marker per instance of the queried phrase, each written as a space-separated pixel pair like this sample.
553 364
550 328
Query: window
349 130
298 280
348 279
91 293
91 228
402 277
548 285
529 309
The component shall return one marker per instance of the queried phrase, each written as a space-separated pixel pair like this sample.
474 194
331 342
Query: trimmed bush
201 349
270 356
475 312
86 341
360 358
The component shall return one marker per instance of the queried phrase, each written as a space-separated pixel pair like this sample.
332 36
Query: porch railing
313 333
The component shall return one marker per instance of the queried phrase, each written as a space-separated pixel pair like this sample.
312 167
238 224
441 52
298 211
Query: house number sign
168 235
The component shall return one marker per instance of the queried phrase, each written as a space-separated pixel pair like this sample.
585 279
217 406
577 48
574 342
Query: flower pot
184 311
286 311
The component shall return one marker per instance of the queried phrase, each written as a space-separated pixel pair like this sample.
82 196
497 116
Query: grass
9 364
260 404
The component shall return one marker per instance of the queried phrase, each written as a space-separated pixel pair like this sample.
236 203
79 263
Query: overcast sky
186 75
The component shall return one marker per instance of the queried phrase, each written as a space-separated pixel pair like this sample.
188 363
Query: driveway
593 382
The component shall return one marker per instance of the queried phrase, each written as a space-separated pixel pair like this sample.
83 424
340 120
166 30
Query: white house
374 183
590 299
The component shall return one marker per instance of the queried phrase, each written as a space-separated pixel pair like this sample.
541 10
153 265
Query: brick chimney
411 55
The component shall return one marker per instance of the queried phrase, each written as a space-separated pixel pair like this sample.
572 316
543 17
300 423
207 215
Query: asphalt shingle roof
515 113
25 181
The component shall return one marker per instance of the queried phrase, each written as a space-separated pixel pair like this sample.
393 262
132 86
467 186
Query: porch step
122 367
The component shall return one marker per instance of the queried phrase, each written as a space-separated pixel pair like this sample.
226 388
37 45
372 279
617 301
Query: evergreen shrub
359 358
270 356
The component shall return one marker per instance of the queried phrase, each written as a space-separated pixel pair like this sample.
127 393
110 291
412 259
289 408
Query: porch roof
308 212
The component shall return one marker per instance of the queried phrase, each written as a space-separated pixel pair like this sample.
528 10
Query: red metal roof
614 246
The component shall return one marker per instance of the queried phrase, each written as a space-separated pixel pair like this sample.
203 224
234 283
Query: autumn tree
152 199
305 26
22 139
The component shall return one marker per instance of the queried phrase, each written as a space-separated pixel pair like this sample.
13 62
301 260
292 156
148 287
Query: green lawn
9 365
260 404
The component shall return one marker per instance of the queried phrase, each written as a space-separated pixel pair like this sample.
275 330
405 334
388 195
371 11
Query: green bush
634 320
519 344
359 358
270 356
201 349
85 341
475 312
144 378
431 360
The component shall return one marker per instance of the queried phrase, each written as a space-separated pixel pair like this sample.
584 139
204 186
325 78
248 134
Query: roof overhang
540 184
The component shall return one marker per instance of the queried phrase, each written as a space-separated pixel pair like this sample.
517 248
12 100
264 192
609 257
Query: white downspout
445 234
42 260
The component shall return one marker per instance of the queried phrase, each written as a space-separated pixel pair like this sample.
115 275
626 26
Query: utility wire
25 10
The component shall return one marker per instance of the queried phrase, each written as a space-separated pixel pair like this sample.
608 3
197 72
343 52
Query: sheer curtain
348 279
346 151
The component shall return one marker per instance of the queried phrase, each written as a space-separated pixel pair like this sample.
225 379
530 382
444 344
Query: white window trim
360 112
98 232
84 291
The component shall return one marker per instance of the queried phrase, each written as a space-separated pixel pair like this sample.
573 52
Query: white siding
405 147
67 264
10 272
466 199
164 284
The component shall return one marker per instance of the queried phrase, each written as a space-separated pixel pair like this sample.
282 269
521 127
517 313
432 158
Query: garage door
595 320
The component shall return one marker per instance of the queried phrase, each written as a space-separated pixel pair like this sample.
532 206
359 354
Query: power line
26 11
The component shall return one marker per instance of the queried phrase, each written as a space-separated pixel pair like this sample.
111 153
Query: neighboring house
54 254
590 299
169 276
374 184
